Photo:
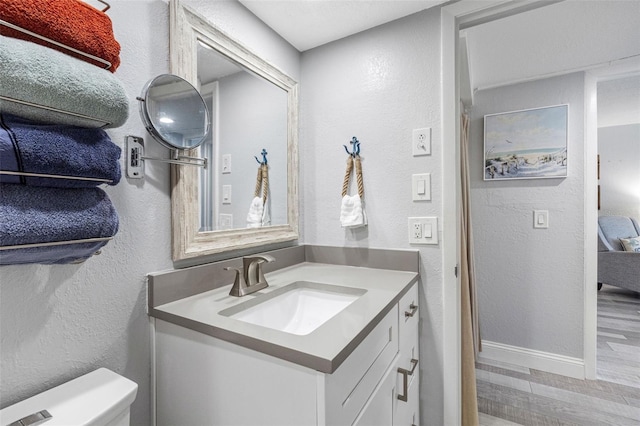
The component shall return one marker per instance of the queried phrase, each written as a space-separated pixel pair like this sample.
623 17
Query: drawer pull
405 379
413 309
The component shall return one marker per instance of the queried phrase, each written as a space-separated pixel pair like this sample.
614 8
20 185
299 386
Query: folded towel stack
33 74
65 152
53 103
32 215
73 23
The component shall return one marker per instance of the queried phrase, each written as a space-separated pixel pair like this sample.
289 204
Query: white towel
266 216
256 210
352 214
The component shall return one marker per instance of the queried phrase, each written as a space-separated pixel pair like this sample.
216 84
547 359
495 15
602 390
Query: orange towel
70 22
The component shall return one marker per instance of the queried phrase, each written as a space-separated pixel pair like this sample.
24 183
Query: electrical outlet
423 230
225 221
226 163
421 141
417 230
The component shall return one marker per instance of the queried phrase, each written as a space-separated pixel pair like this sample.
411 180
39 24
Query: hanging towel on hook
256 210
352 213
259 209
72 23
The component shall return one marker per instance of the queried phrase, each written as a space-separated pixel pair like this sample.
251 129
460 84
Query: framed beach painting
526 144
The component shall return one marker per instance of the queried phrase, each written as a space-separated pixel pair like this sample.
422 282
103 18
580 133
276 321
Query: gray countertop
323 349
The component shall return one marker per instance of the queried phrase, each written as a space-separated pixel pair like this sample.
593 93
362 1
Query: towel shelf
61 111
56 243
106 4
43 175
106 63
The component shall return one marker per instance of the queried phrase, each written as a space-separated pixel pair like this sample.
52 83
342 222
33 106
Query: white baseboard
544 361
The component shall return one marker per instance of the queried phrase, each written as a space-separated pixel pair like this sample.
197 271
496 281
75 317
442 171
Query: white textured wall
530 281
619 150
378 85
58 322
559 38
235 20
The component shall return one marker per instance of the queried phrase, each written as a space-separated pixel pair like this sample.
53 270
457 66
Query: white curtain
470 332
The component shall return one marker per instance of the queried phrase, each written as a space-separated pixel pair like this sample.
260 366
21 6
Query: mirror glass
249 115
253 108
174 113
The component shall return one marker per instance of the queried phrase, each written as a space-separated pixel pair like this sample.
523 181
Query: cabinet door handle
405 379
413 309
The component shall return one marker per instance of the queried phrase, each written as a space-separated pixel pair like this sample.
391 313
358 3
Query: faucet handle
239 284
262 258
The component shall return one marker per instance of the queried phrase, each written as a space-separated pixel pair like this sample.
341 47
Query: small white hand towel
352 214
266 216
254 217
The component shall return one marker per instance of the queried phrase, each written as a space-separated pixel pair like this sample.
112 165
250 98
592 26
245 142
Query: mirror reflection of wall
248 114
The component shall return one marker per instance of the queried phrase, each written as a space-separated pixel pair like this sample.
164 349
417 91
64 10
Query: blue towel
32 214
53 149
42 76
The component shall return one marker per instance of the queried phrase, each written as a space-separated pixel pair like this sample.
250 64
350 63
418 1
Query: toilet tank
100 398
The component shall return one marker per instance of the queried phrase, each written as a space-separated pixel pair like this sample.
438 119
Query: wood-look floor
509 395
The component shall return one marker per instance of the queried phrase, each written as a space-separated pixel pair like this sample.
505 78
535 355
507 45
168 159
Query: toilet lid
95 398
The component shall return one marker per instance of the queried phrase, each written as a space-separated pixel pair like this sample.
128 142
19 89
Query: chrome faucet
251 278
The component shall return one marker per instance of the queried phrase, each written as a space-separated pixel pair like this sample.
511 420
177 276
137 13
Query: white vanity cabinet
397 400
407 412
202 380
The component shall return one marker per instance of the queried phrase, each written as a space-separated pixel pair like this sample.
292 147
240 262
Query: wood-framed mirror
197 202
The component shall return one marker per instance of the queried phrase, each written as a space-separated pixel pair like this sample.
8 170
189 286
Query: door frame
453 18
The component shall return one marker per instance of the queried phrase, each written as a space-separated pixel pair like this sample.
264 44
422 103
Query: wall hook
355 150
264 157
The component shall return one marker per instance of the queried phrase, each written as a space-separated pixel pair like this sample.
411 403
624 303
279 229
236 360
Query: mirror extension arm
134 158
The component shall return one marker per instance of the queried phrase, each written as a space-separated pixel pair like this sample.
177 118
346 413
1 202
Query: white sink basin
298 308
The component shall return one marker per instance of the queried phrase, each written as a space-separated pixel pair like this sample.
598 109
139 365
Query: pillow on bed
631 244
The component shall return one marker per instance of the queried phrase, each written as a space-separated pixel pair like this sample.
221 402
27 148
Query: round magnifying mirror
173 112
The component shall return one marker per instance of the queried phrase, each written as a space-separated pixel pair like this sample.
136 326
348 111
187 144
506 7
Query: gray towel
42 76
33 214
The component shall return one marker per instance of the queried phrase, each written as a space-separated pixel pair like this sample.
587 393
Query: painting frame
527 144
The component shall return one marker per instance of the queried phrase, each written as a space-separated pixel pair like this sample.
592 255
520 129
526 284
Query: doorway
464 15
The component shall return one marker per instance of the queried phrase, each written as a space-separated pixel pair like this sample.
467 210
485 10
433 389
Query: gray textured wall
59 322
378 85
530 281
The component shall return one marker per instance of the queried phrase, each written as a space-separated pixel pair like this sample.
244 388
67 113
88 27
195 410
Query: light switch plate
226 194
541 219
423 230
421 187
